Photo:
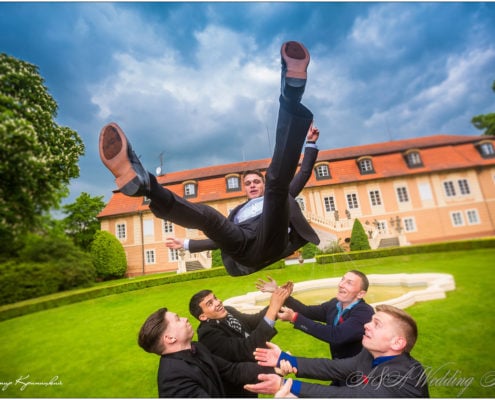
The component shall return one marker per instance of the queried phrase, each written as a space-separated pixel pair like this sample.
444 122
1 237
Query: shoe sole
296 58
114 148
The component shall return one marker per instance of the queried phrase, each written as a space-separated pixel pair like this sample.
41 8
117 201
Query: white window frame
150 256
472 217
322 171
464 188
457 218
121 231
190 190
366 165
173 254
233 183
409 224
449 189
329 203
352 201
302 204
402 194
375 197
168 227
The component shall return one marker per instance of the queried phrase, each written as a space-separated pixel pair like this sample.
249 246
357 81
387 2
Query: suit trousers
269 236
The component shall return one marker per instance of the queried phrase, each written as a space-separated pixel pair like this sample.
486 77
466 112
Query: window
485 149
472 217
402 194
190 189
381 226
168 227
352 202
375 198
121 231
413 159
146 200
425 191
449 188
409 224
173 255
365 166
300 201
457 219
464 186
329 203
322 171
233 183
149 256
148 227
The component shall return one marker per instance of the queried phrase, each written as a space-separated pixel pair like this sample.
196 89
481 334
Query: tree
108 256
359 238
485 121
81 223
37 157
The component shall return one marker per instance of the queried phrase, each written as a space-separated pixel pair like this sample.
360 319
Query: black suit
198 373
265 239
232 345
402 376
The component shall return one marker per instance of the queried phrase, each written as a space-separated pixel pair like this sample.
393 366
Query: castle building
421 190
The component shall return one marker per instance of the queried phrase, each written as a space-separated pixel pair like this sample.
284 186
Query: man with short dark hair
270 227
384 368
189 369
233 335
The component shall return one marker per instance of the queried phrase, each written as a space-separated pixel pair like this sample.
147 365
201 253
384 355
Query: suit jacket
300 231
345 338
225 342
198 373
231 345
402 376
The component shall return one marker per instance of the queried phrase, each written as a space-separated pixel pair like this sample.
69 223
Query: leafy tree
37 157
485 121
81 223
359 238
108 256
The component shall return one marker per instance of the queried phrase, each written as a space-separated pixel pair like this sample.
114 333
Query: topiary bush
359 238
108 256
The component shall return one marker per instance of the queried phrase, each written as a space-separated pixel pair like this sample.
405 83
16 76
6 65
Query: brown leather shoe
117 155
296 59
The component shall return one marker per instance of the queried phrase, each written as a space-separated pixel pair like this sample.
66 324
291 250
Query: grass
89 349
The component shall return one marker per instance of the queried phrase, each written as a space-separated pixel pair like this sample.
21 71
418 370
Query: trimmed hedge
109 288
115 287
485 243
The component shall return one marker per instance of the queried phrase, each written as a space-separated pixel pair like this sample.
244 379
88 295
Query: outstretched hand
266 286
174 243
267 357
268 384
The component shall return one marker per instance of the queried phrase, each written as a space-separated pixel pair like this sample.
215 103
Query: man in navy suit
270 225
383 368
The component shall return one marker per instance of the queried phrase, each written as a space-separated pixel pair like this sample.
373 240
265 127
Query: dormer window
485 148
190 189
413 159
365 165
322 171
233 183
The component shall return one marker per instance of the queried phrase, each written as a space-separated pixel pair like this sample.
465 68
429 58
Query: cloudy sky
196 84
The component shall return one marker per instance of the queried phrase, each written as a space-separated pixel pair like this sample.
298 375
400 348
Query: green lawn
89 349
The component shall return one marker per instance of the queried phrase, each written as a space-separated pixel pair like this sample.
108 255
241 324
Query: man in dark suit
188 369
274 228
343 316
384 368
233 335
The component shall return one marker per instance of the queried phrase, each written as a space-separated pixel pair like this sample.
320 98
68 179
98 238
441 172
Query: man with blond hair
384 368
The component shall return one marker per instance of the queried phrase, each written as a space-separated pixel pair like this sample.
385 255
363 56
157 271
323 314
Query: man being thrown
267 236
384 368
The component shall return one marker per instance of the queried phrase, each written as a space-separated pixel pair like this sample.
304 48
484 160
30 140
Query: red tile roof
439 152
